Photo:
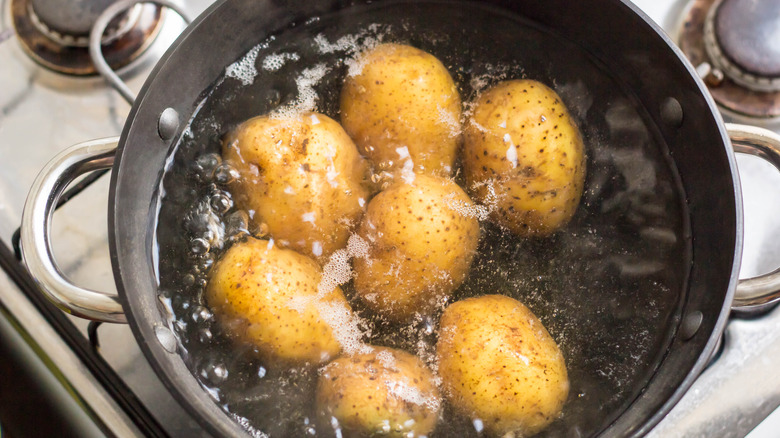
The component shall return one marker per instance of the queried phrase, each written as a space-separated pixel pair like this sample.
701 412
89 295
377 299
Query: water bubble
199 246
261 372
274 97
201 314
261 230
188 280
196 222
205 164
428 328
215 373
225 174
221 202
205 261
236 225
205 335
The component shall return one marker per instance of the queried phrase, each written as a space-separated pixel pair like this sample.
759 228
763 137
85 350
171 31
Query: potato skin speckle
421 247
524 155
386 388
303 177
256 291
403 97
499 364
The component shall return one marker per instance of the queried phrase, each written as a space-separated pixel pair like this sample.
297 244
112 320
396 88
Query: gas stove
98 377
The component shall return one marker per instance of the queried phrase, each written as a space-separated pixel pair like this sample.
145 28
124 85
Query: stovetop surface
41 113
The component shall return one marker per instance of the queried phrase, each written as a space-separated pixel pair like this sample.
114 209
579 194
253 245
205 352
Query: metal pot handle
756 294
36 234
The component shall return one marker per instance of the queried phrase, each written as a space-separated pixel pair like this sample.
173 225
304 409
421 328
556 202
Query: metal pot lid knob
742 38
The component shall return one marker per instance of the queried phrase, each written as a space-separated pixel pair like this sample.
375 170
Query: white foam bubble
347 43
307 96
412 394
495 73
316 248
449 119
245 424
276 61
336 272
479 127
480 212
357 246
244 69
387 359
352 46
407 172
308 217
345 326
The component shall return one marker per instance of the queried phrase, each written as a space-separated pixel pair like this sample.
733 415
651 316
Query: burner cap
57 37
70 17
735 46
743 39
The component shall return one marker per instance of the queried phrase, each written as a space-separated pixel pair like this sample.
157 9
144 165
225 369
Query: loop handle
756 294
36 231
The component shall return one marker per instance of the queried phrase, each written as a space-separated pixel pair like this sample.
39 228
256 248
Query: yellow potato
386 392
423 236
524 157
302 177
499 364
268 296
403 109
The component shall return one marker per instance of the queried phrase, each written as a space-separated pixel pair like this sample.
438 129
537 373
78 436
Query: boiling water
608 287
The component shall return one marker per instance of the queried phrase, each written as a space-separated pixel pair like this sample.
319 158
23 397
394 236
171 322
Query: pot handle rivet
672 112
166 338
691 324
168 124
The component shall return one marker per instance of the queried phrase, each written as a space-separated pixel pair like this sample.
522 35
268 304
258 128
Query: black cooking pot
614 34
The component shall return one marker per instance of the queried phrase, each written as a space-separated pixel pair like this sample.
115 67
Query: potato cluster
307 181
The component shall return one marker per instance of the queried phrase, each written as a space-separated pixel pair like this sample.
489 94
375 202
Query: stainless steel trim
757 293
36 235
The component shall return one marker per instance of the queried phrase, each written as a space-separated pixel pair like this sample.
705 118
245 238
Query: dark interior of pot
652 240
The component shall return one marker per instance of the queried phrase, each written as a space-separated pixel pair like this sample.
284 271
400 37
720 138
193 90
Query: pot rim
125 259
